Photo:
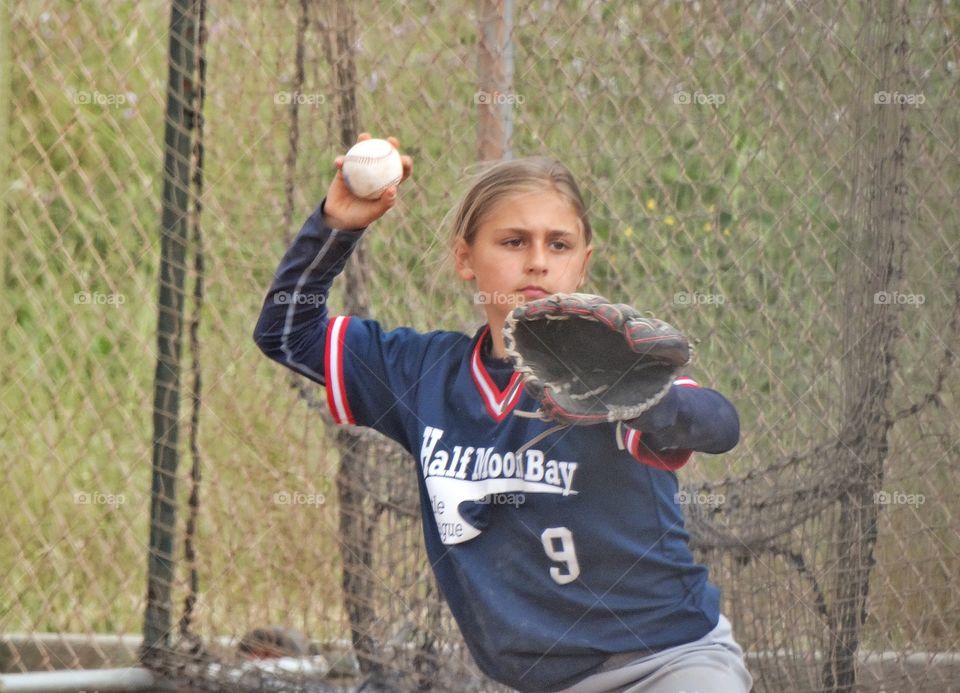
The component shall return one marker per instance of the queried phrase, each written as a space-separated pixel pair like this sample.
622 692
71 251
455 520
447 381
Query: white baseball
370 167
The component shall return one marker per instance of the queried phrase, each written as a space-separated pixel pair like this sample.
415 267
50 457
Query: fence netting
776 179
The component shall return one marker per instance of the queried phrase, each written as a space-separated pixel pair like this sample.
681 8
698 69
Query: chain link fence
777 179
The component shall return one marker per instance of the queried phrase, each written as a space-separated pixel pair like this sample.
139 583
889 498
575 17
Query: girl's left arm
690 418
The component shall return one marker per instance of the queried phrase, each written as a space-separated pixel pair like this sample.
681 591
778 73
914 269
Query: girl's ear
583 270
461 254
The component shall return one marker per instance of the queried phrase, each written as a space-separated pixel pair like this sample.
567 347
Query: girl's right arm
293 321
369 374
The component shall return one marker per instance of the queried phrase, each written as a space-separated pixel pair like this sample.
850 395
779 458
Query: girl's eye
519 242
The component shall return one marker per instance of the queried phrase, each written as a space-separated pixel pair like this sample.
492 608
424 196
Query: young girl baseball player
582 579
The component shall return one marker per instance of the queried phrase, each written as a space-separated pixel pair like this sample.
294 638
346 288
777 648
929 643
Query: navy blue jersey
553 555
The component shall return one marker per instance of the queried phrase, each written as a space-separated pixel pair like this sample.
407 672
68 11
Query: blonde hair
500 180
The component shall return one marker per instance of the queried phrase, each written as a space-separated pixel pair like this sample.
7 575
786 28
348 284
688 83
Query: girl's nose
536 260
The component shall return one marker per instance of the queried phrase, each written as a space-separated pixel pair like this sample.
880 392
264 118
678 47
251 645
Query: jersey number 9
558 543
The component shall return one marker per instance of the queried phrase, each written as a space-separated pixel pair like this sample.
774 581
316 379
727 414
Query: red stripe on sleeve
668 460
333 370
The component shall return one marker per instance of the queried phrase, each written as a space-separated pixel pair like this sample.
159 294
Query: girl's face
528 246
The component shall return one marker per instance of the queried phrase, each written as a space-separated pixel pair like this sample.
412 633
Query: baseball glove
587 360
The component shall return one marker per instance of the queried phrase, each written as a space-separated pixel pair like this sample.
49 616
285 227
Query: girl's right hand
345 211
